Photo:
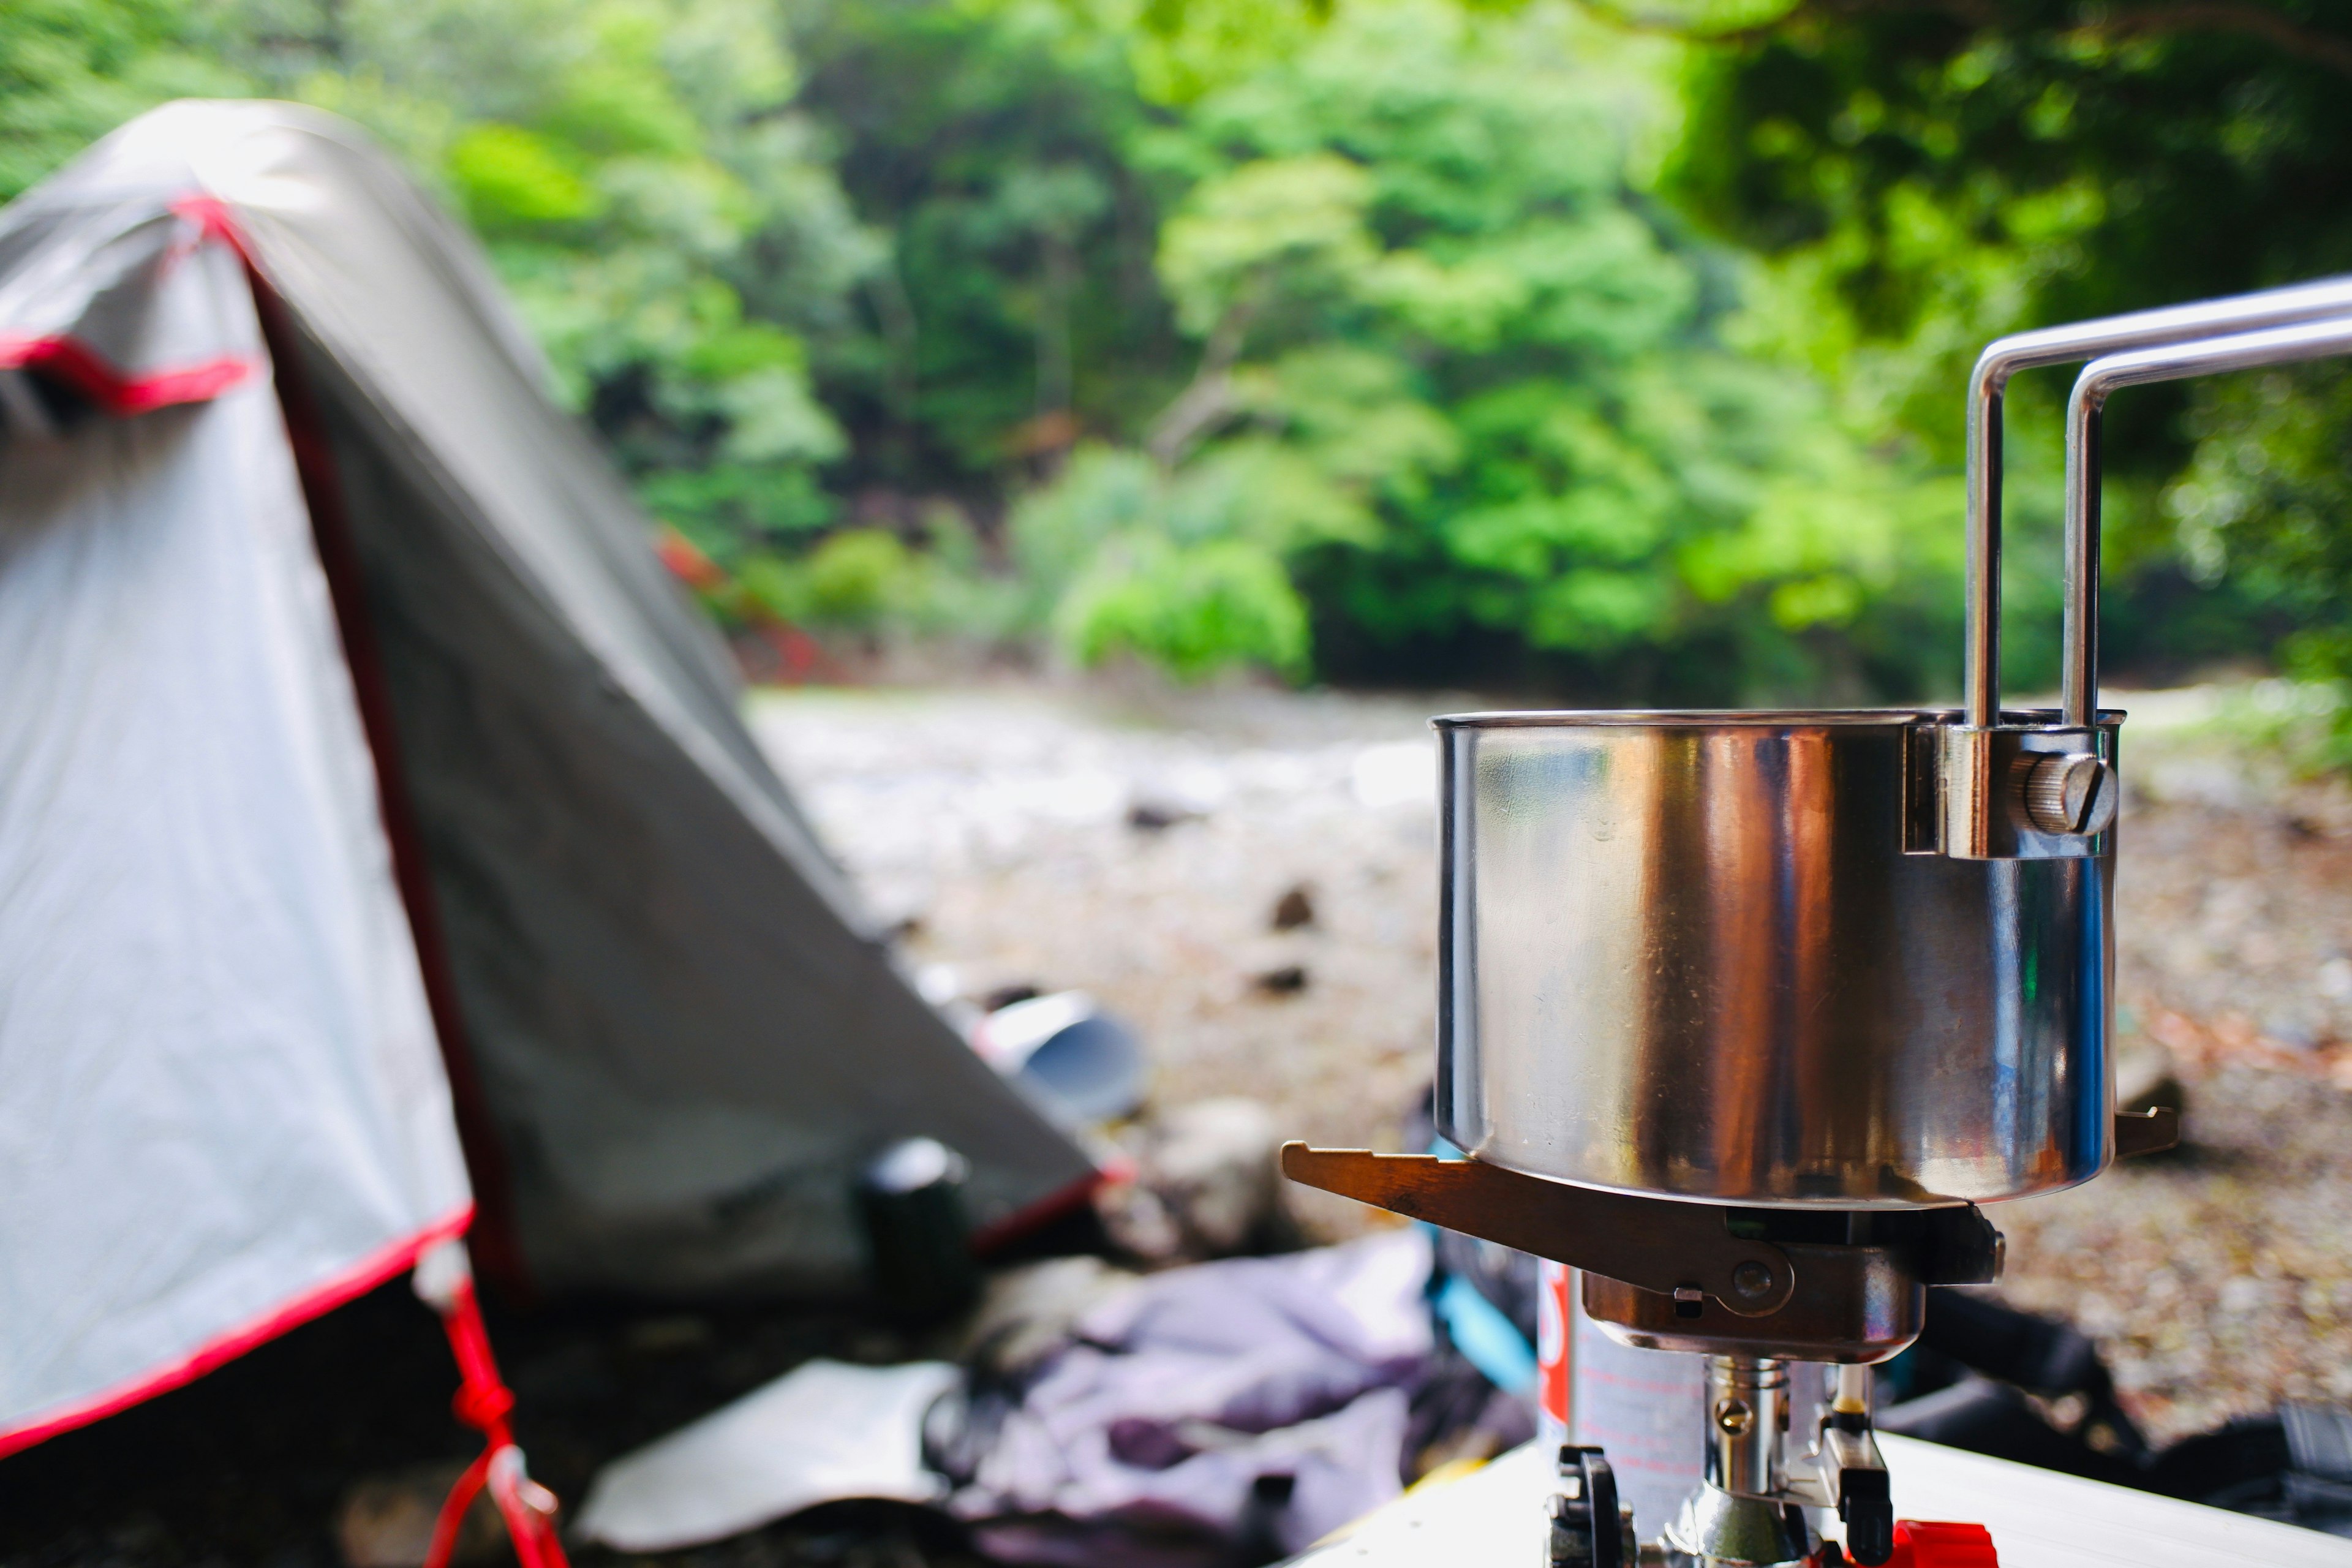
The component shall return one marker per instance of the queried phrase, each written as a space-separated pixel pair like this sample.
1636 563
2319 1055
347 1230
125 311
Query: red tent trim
76 364
81 367
385 1263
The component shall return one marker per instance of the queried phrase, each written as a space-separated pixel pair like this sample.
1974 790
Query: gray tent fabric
685 1032
222 1105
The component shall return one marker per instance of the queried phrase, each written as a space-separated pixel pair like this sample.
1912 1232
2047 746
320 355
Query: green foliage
1358 337
661 210
1184 571
2305 724
1930 176
1193 609
515 182
71 71
2265 502
850 578
1460 374
2087 145
1015 306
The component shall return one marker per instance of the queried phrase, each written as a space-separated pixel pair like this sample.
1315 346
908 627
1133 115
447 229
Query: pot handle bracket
2035 785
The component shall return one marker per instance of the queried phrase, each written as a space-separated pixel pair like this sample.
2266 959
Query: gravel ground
2220 1280
1000 822
1136 844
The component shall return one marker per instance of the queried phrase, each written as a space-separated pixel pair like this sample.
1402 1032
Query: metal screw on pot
2071 793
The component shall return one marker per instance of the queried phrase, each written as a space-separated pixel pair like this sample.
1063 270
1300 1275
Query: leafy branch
2101 24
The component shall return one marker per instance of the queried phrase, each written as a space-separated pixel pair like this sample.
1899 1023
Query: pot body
1686 955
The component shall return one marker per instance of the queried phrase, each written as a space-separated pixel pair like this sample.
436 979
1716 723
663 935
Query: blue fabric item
1487 1338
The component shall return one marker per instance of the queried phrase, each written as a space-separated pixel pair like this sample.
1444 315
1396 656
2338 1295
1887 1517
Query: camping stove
1742 1014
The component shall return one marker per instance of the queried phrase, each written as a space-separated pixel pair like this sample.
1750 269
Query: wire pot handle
2167 361
2203 322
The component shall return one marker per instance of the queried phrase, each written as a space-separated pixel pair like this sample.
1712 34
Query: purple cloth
1177 1398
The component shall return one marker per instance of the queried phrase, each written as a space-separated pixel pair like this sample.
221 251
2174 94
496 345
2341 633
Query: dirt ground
1136 844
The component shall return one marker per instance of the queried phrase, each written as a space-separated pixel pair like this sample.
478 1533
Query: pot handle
2209 355
1988 384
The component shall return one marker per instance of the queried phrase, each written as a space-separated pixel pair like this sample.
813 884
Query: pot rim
1745 718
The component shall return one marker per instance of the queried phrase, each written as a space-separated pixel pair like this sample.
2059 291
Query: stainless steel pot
1837 959
1686 954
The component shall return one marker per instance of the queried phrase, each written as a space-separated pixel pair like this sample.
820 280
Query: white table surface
2039 1518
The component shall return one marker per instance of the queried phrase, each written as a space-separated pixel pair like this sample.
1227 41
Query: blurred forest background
1610 348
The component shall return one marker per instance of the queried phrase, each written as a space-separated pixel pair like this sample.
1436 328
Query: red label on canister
1555 1351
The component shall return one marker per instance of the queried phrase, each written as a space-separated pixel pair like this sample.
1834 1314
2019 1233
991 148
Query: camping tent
355 748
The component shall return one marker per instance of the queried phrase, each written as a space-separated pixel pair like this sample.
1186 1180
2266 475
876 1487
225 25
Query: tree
1016 307
1946 171
1336 338
1468 384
